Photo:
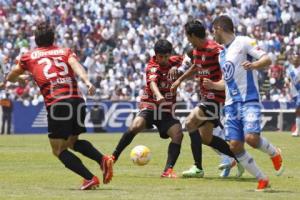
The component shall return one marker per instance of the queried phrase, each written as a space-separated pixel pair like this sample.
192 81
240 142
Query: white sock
266 147
246 160
298 125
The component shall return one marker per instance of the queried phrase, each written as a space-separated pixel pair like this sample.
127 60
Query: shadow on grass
235 179
98 189
274 191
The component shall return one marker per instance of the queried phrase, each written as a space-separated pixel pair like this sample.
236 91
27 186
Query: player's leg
138 125
234 129
192 124
173 129
211 111
61 127
226 162
251 114
70 160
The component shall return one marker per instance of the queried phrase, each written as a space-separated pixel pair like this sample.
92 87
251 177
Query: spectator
7 108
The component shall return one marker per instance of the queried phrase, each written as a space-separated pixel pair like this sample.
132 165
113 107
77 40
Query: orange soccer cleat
277 163
169 173
263 185
107 168
90 184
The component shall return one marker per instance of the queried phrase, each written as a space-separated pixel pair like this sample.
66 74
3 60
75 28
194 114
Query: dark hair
225 23
44 34
163 47
195 27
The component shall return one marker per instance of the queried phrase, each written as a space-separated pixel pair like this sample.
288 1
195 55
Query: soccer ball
140 155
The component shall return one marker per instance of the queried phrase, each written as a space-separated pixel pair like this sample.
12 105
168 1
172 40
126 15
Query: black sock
88 150
73 163
173 153
222 146
196 146
126 139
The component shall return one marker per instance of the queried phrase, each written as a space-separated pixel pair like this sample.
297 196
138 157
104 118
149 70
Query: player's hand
174 86
208 84
160 99
173 73
248 65
91 89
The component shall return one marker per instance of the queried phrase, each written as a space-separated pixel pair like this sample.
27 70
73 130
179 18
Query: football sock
126 139
88 150
73 163
196 146
266 147
173 153
221 146
246 160
298 125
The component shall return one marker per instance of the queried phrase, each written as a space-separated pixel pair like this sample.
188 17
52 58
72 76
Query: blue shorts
297 100
242 118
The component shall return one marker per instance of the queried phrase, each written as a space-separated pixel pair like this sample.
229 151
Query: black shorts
66 118
163 123
212 110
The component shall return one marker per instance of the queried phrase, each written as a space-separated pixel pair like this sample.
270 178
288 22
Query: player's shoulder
176 60
213 46
245 40
152 65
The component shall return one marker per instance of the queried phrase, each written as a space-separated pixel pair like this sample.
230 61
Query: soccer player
204 118
157 106
53 68
293 72
242 107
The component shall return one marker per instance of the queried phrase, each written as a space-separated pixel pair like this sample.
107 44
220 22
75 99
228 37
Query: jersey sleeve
22 61
252 48
70 53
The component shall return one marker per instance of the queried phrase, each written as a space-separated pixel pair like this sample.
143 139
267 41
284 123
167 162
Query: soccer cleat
295 134
169 173
107 168
263 185
225 172
90 184
277 163
227 163
193 172
225 166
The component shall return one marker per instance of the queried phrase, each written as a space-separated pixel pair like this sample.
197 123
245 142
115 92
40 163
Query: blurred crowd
114 39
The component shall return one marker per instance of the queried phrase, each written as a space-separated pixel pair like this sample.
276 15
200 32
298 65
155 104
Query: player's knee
252 140
190 125
57 151
236 147
206 138
177 138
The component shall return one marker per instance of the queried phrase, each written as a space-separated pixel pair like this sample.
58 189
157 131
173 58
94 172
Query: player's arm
211 85
17 74
262 59
189 73
154 88
261 63
79 71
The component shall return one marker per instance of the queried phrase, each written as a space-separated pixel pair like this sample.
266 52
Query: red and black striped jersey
159 74
207 62
52 73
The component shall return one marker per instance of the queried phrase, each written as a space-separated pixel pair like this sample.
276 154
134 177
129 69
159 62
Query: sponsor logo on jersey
228 70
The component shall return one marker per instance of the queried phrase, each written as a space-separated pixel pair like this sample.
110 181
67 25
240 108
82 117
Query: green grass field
29 171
